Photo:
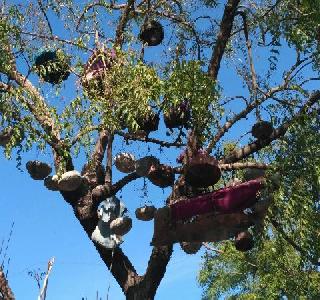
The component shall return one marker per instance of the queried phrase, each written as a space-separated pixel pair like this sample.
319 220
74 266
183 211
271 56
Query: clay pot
161 175
244 241
253 173
177 116
262 130
5 136
38 170
202 171
70 181
121 226
149 123
53 66
151 33
51 183
190 248
145 213
125 162
144 165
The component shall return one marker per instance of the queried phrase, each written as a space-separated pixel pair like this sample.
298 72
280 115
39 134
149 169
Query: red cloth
226 200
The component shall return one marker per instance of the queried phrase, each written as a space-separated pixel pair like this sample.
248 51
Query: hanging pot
161 175
262 130
253 173
190 247
202 170
51 183
121 226
149 123
151 33
5 136
38 170
178 116
125 162
145 164
244 241
145 213
53 66
70 181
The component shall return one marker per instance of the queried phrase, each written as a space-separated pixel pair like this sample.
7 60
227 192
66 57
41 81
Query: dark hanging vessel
262 130
162 176
53 66
178 116
38 170
244 241
149 123
202 170
151 33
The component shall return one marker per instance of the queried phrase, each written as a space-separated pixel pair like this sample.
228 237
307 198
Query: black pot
52 67
262 130
151 33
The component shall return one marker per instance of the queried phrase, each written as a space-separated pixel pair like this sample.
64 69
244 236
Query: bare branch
122 182
123 22
244 165
45 15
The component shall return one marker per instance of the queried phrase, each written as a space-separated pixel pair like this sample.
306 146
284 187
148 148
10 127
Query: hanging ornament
262 130
53 66
178 116
51 183
145 213
190 247
38 170
161 175
144 165
151 33
121 226
125 162
70 181
244 241
202 170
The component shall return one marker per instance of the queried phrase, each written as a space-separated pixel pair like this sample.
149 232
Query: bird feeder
202 170
125 162
38 170
262 130
145 164
70 181
190 247
151 33
51 183
149 123
244 241
121 226
53 66
177 116
145 213
161 175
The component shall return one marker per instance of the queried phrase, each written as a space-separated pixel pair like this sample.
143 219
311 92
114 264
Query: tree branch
223 37
245 165
5 290
123 22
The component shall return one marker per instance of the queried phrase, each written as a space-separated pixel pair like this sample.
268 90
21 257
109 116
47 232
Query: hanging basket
125 162
5 136
149 123
53 66
70 181
51 183
262 130
145 164
121 226
202 170
145 213
244 241
151 33
178 116
190 248
38 170
161 175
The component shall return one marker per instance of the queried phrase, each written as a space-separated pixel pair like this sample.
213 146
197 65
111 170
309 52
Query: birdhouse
121 226
125 162
53 66
190 247
244 241
262 130
145 213
151 33
51 183
144 165
178 116
70 181
161 175
38 170
202 170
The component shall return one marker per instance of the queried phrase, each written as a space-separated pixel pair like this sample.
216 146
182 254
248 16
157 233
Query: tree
120 90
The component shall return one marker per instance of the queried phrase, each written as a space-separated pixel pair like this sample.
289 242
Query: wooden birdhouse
151 33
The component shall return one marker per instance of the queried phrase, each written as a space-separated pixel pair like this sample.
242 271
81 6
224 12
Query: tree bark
5 290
